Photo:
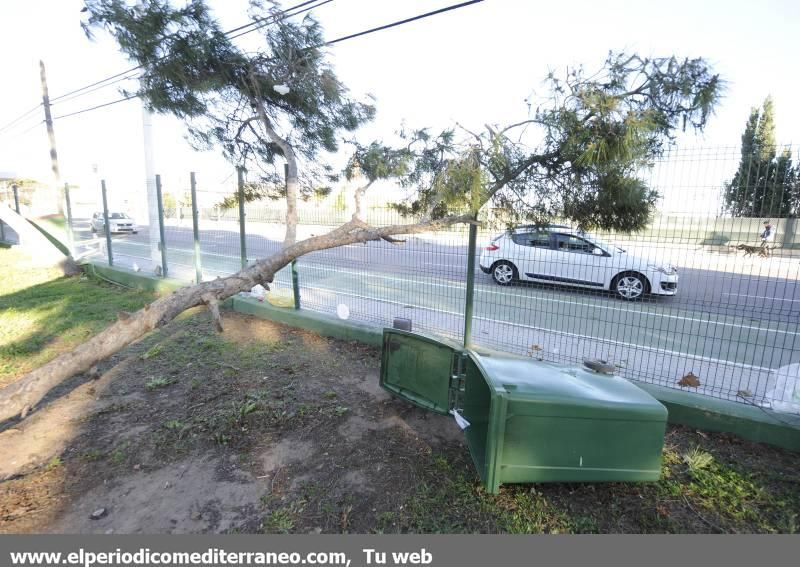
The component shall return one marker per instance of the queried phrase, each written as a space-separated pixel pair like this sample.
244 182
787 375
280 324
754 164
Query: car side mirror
597 252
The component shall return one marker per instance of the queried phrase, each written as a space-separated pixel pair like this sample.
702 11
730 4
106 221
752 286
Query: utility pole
150 183
48 120
155 220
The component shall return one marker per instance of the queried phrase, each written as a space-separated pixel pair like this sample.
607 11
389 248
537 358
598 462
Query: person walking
767 238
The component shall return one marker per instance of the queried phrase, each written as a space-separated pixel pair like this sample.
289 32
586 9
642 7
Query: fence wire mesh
701 299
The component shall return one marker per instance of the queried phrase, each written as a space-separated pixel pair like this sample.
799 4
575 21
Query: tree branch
291 161
358 195
518 124
213 307
24 394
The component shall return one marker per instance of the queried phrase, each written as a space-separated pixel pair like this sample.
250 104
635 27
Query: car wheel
504 273
630 286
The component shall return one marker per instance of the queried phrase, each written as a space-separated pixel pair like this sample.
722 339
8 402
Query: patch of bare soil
199 432
266 428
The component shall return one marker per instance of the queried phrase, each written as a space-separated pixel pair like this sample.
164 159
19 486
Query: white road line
589 337
482 289
232 259
762 297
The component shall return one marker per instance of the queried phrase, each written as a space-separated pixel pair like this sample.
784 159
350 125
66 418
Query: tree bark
292 190
292 181
20 397
358 197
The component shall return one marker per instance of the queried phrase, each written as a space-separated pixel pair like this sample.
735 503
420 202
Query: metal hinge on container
457 386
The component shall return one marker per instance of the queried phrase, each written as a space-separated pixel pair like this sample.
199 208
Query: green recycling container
526 420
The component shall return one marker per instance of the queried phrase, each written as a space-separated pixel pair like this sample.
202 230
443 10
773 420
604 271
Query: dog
750 250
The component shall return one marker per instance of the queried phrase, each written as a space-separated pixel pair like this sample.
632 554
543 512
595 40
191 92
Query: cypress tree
764 184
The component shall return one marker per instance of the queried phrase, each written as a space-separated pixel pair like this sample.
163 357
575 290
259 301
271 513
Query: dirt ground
269 429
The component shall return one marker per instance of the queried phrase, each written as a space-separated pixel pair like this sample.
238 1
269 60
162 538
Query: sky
473 66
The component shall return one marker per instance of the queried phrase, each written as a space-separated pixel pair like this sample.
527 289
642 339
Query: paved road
728 327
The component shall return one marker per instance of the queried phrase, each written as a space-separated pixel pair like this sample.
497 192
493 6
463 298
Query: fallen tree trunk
21 396
43 252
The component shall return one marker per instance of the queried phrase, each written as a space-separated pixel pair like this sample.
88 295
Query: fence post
16 198
163 242
70 234
198 270
470 295
105 223
295 273
242 233
295 284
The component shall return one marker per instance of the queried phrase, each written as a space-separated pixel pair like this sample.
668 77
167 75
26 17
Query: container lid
558 386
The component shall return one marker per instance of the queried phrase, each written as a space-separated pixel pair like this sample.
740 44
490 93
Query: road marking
635 346
762 297
589 337
483 289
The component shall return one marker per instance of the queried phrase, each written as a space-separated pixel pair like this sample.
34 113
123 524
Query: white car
119 222
559 255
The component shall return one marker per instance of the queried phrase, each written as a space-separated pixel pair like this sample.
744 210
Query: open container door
438 375
419 369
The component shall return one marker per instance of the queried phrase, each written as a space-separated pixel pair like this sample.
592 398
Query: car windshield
601 244
118 216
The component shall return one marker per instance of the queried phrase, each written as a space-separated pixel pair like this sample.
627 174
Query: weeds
153 352
119 455
174 425
697 460
53 463
93 455
280 521
156 383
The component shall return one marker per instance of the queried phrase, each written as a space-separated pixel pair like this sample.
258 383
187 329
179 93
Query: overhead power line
331 42
60 97
401 22
82 92
94 107
108 81
260 24
20 117
31 128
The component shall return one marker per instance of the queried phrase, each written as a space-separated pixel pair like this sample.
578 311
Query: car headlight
668 269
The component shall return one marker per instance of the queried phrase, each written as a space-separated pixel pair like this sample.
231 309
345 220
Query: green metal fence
726 328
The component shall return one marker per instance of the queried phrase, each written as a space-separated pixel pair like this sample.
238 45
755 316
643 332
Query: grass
43 314
698 492
451 502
